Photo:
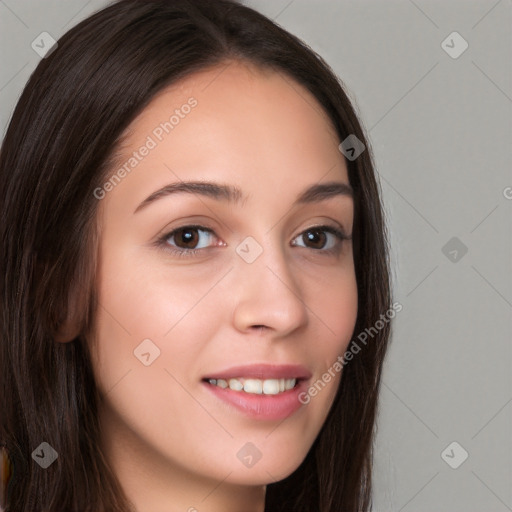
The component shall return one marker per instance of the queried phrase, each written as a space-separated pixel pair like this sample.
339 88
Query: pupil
314 234
187 236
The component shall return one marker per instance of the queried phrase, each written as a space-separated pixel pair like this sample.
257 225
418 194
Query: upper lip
263 371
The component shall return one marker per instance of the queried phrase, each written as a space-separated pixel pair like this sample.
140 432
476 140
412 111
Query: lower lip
261 406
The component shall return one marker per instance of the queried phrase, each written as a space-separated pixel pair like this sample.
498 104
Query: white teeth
289 383
235 385
255 386
271 386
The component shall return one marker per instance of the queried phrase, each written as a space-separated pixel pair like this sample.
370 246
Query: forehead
238 99
234 122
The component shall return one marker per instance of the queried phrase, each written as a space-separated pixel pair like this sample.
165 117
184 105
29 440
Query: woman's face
265 298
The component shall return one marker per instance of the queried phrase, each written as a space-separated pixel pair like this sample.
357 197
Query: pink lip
263 371
260 406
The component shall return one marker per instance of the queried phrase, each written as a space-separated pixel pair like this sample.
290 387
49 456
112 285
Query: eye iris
313 235
188 236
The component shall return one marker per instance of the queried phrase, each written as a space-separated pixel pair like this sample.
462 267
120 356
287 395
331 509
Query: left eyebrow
233 194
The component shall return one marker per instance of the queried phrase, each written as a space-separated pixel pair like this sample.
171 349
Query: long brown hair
57 150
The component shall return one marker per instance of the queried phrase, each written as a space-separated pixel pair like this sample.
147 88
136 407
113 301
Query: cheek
144 312
339 308
140 302
139 297
335 304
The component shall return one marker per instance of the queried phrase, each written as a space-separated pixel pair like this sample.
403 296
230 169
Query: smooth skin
172 443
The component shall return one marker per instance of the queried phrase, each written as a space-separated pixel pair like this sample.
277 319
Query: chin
263 471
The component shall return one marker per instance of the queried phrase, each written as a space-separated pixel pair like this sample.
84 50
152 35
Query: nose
268 295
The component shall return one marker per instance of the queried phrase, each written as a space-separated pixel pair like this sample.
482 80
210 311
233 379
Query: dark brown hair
58 148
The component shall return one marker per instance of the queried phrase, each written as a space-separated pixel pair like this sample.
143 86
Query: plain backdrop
440 123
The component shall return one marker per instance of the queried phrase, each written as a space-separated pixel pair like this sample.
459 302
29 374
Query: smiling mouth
255 386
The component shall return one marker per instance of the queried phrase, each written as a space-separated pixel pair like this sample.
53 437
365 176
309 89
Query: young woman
194 253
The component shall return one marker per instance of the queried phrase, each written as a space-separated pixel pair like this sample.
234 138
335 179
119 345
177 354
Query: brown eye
324 239
188 237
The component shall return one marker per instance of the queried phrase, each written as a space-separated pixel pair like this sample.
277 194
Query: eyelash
162 242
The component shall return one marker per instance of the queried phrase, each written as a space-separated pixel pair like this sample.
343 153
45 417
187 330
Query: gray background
441 131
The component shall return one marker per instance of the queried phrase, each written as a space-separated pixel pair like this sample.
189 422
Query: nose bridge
267 292
265 258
